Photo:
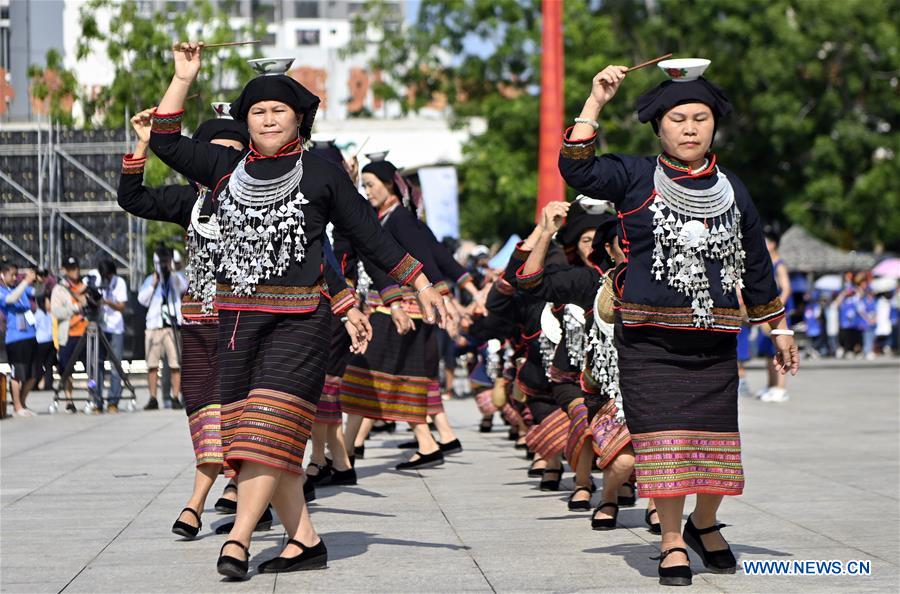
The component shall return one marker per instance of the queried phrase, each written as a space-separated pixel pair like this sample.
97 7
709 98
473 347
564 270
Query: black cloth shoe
152 404
408 445
605 523
232 567
677 575
580 505
359 452
435 458
71 408
486 425
264 523
341 478
648 519
315 557
184 529
177 404
552 477
321 477
309 492
227 506
628 500
451 447
716 561
513 435
535 472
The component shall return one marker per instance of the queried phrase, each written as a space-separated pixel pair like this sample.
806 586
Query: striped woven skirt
679 391
272 369
548 437
200 390
485 402
396 378
329 409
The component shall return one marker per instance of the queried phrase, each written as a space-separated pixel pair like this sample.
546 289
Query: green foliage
814 84
139 44
62 93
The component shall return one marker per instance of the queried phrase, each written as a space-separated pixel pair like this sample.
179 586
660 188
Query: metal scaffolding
35 168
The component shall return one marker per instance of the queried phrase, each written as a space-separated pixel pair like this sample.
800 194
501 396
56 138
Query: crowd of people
316 304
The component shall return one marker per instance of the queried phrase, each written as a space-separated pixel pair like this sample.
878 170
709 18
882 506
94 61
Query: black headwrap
410 196
577 222
278 87
328 151
606 233
222 128
653 104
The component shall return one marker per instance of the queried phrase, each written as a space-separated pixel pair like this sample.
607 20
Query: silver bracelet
423 289
780 332
344 319
592 123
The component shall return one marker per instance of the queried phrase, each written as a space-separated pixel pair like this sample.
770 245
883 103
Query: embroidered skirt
200 389
329 409
396 378
679 390
548 438
272 374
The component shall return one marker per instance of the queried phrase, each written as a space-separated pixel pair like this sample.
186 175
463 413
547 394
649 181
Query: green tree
56 83
814 85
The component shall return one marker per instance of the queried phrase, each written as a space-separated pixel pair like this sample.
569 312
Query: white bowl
271 66
684 69
222 109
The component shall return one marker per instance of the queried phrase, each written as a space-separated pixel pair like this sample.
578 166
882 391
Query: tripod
91 340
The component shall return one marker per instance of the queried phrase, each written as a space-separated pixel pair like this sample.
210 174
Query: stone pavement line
86 463
466 548
127 525
50 442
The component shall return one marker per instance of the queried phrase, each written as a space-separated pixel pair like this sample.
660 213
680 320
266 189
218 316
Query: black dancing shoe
451 447
580 505
341 478
535 472
408 445
435 458
605 523
184 529
384 427
628 500
722 561
676 575
152 404
513 435
227 506
309 492
486 425
551 484
648 519
177 404
315 557
233 567
321 477
359 451
264 523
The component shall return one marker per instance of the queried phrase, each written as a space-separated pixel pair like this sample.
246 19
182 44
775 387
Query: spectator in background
775 390
832 324
46 349
867 318
849 335
15 301
66 304
114 290
161 294
814 316
884 327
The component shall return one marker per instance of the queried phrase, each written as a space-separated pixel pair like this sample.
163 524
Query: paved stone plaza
87 503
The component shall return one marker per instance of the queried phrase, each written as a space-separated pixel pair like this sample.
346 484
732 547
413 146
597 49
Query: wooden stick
228 43
649 63
190 97
359 150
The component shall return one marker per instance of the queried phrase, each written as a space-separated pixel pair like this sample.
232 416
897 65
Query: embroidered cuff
406 269
442 287
167 123
520 253
466 277
760 314
390 294
529 281
343 301
560 376
577 148
132 166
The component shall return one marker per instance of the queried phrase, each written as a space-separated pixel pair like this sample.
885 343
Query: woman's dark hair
106 268
772 233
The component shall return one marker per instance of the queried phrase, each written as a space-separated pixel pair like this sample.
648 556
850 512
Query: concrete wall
35 27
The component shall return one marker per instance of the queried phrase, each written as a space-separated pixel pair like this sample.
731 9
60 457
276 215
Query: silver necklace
261 227
202 249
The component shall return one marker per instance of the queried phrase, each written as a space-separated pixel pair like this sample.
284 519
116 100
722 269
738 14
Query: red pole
550 184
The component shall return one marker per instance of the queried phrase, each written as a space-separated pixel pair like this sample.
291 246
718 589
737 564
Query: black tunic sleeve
572 284
172 204
605 177
198 161
341 296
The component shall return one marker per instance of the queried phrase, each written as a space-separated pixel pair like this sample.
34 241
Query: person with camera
113 299
161 294
20 332
67 304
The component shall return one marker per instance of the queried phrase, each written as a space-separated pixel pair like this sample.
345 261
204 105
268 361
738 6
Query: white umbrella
883 285
829 282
